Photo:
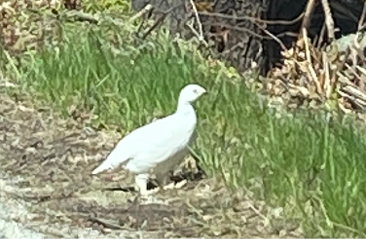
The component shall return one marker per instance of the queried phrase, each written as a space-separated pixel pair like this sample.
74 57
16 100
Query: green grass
313 169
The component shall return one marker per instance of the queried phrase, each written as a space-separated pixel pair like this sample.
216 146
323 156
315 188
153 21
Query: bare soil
47 162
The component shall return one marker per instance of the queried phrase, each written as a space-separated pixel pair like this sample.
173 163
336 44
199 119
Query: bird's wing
159 141
150 142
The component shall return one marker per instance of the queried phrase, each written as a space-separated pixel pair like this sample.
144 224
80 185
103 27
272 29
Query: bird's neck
188 118
185 108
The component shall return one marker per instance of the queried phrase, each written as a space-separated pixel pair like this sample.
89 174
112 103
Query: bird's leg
174 185
180 184
141 183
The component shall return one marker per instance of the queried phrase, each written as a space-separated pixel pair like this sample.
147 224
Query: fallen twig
312 73
355 92
327 85
106 223
353 99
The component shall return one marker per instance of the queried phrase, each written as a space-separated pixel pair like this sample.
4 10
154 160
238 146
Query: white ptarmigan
159 146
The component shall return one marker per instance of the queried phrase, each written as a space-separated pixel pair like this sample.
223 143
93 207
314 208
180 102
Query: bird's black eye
195 91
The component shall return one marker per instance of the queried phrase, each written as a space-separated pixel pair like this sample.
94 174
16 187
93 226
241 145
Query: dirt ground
47 163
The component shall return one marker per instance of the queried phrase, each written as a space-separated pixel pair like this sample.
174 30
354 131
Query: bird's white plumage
160 145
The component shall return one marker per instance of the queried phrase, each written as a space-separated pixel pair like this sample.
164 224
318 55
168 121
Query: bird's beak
203 91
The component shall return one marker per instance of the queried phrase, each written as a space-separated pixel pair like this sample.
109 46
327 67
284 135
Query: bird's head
191 93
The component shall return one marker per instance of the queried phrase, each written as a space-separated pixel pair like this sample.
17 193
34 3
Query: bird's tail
112 161
102 167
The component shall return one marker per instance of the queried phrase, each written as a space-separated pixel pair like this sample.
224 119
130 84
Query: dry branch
200 37
141 13
328 19
307 16
253 19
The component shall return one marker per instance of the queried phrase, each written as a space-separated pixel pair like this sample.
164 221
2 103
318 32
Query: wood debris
311 76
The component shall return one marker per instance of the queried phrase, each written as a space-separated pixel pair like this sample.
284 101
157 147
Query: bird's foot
181 184
150 192
176 186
